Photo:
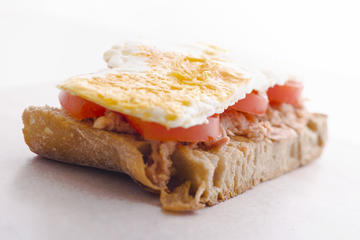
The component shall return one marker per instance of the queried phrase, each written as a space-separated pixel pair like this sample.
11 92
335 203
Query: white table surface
43 199
43 42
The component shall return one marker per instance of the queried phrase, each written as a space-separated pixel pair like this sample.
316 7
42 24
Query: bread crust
204 177
53 134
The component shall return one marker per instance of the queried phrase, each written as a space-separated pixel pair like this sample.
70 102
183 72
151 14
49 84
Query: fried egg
175 87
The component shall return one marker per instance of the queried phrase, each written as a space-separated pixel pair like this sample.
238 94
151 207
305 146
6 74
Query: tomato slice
80 108
253 103
199 133
289 93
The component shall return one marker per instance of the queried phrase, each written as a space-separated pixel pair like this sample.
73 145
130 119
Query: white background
44 42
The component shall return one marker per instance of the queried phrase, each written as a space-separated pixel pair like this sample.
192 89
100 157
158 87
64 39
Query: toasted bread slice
199 177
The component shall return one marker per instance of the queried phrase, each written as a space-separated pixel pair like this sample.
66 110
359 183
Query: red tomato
198 133
252 103
80 108
290 93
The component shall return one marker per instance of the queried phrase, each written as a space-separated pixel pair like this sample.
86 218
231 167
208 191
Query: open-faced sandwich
192 125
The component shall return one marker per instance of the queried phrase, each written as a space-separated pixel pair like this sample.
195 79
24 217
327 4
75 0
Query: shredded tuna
287 115
216 143
278 133
243 124
279 122
159 163
112 121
